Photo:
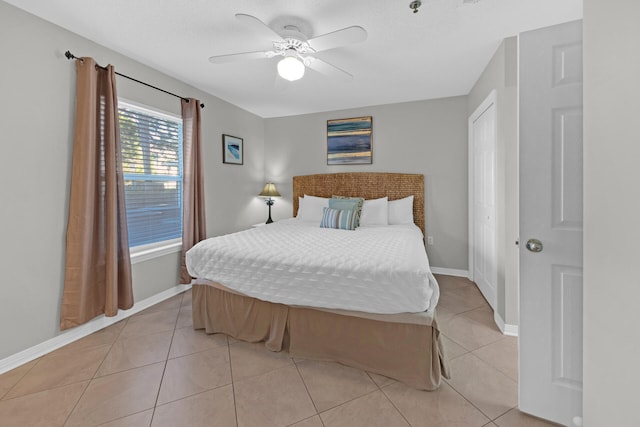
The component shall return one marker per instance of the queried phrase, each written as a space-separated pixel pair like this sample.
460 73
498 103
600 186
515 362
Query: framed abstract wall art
349 141
232 150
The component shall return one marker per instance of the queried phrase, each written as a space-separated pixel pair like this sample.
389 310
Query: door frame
482 108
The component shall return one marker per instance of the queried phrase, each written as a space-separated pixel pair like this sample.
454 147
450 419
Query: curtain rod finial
70 56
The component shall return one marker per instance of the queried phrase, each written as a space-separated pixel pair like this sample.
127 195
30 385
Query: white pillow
310 208
374 212
401 211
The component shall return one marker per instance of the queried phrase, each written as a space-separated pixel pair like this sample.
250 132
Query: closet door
482 199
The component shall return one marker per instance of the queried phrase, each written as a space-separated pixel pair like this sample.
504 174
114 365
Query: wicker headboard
370 185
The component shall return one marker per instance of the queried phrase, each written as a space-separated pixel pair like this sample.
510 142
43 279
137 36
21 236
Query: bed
397 337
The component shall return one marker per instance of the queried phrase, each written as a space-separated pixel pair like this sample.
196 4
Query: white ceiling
438 52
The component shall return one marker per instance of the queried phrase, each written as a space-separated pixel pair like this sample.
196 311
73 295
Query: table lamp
269 191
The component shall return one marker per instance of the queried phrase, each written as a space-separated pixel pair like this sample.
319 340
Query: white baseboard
81 331
510 330
450 272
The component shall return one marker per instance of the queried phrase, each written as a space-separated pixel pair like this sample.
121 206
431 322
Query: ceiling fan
297 51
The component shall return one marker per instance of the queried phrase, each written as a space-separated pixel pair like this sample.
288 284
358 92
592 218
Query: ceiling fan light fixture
290 67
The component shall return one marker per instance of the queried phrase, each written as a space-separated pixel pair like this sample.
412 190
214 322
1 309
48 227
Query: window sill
154 250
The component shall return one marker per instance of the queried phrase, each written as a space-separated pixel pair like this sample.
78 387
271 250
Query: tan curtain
193 218
98 267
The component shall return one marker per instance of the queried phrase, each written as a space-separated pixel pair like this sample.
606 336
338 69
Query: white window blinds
152 162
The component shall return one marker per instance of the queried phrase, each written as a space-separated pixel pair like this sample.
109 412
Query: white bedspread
375 270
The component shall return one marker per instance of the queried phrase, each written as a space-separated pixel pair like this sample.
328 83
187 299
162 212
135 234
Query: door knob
534 245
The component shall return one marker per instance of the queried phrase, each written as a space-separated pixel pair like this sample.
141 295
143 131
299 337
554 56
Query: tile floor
153 369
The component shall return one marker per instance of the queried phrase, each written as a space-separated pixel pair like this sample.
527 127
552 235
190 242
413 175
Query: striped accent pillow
353 203
344 219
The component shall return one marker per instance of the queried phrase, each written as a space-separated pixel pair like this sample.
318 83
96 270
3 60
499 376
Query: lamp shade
269 190
290 67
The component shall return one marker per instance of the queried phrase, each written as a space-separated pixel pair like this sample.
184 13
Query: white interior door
550 108
482 199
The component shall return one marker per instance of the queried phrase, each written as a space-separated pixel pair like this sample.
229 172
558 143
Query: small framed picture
232 150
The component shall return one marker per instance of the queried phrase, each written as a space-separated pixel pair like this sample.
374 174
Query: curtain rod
70 56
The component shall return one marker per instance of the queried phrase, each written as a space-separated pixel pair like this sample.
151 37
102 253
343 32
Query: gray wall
501 75
427 137
37 86
611 212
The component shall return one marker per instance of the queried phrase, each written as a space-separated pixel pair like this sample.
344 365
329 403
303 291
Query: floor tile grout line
333 407
200 392
465 312
455 292
465 398
479 307
374 381
103 359
456 342
195 352
189 396
261 374
503 338
53 386
504 413
305 387
164 369
75 405
233 383
46 389
470 402
470 351
305 419
125 370
21 378
126 320
89 380
148 334
128 337
489 365
394 405
458 356
516 380
125 416
348 401
156 310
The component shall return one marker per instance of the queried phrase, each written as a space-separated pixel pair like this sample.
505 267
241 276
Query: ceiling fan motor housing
300 45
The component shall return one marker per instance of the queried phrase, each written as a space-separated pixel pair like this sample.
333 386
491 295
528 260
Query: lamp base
269 203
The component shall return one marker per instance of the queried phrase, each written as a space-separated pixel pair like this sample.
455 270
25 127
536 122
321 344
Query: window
152 163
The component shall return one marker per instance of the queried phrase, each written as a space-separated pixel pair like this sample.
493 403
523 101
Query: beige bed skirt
408 352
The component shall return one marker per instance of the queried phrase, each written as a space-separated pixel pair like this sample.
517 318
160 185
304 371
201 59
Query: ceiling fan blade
338 38
327 69
259 27
236 57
